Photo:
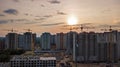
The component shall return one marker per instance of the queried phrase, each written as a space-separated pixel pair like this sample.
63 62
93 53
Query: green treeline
5 55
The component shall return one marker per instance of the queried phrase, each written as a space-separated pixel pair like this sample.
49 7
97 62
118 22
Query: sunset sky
49 15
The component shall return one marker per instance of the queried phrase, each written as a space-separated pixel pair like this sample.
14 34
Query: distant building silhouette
53 43
34 40
102 46
69 42
118 44
87 47
59 40
104 41
12 41
21 41
46 41
2 43
95 47
24 41
29 40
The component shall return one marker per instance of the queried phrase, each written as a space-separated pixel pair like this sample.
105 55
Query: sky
50 15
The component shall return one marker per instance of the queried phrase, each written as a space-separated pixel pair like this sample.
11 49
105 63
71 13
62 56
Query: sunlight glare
72 20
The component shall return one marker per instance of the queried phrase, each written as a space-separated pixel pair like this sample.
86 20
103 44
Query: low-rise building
33 61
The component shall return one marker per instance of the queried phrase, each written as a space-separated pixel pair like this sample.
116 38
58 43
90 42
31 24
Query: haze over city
49 15
59 33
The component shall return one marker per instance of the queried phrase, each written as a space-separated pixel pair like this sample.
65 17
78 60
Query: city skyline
49 15
76 48
88 43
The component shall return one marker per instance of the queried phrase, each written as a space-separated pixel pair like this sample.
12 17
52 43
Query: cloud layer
54 24
54 2
16 0
3 21
61 13
2 15
11 11
12 20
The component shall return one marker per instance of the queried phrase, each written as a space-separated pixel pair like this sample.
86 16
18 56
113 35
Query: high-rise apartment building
87 47
45 41
2 43
53 44
59 40
69 42
29 41
12 41
107 43
21 41
118 44
92 47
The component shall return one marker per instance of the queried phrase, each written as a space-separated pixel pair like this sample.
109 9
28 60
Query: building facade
12 41
32 61
29 41
107 43
2 43
69 42
21 41
59 40
46 41
87 47
47 62
96 47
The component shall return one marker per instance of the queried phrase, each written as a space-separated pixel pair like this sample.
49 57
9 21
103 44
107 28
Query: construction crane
79 26
108 27
29 30
69 27
11 30
84 26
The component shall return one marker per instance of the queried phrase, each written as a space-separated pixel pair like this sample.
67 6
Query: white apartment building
32 61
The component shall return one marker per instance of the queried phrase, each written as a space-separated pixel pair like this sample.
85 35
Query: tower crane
84 26
11 30
29 30
69 27
79 26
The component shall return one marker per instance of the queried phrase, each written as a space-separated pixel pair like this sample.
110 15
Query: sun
72 20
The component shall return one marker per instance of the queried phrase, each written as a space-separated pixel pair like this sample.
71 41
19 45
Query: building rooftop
47 58
32 58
